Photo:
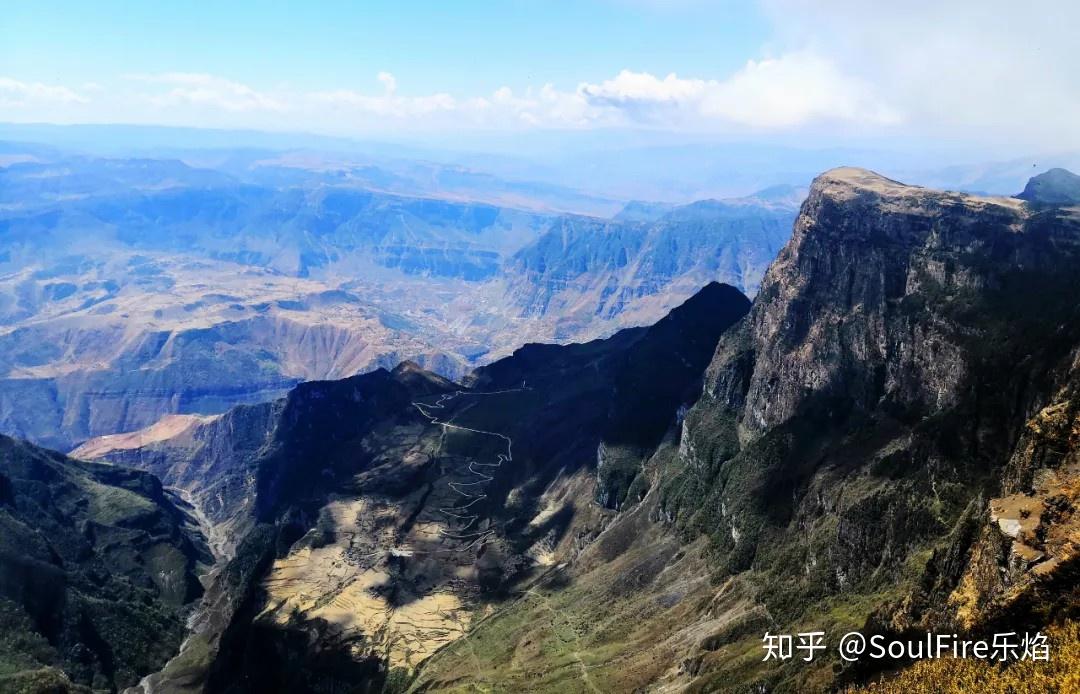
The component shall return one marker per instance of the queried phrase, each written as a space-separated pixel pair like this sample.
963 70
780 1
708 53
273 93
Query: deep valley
131 289
884 439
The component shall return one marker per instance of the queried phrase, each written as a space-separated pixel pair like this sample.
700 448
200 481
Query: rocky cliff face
865 304
584 270
853 426
1024 562
97 571
212 461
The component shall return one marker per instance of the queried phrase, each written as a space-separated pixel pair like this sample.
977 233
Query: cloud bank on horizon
987 70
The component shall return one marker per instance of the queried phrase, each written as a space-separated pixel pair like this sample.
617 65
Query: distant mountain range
135 288
584 270
588 172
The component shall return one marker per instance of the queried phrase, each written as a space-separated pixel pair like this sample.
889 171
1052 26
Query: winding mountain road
462 513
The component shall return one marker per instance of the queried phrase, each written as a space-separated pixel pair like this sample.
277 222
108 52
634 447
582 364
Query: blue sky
460 47
988 72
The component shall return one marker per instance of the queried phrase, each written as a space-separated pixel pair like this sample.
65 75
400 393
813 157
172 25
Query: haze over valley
133 288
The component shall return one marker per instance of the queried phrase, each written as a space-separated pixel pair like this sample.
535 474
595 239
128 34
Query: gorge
884 440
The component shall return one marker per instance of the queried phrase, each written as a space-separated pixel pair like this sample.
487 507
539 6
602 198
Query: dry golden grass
1059 675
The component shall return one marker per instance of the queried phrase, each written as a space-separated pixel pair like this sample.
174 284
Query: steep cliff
886 442
98 568
584 272
854 425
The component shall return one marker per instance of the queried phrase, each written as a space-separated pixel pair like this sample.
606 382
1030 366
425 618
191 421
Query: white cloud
389 82
795 89
543 107
634 88
792 90
209 91
17 94
991 70
784 93
984 71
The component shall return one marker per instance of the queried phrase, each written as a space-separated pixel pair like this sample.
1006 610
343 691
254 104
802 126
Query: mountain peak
1053 187
411 374
846 183
860 248
709 298
858 176
845 180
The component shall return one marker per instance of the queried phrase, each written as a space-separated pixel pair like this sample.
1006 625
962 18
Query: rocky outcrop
863 303
98 567
854 425
1054 187
586 271
1024 563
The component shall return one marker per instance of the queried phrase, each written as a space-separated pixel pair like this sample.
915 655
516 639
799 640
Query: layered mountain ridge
885 440
136 288
581 270
431 500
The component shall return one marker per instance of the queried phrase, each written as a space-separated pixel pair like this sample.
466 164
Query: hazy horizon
971 77
617 164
